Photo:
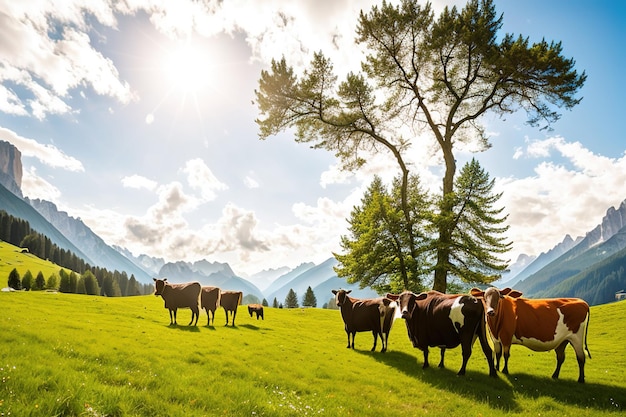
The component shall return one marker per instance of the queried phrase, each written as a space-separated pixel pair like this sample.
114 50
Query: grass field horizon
78 355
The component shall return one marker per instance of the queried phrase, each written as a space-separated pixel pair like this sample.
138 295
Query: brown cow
446 321
540 325
230 300
179 296
362 315
256 308
210 301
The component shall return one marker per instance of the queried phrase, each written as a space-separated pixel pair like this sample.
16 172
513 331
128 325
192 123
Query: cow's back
210 298
182 295
230 299
363 315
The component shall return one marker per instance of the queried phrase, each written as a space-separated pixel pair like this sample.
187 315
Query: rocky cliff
11 168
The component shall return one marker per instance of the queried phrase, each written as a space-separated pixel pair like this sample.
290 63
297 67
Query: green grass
11 257
78 355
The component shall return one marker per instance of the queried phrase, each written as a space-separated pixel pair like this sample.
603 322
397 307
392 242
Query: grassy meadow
11 257
78 355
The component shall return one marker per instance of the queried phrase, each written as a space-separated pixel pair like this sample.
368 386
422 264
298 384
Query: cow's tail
239 299
218 302
587 331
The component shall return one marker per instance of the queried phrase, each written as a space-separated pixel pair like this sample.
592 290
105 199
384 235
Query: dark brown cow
362 315
179 296
540 325
446 321
210 301
256 308
230 300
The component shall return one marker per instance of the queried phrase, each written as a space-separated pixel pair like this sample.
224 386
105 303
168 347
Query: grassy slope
12 258
65 354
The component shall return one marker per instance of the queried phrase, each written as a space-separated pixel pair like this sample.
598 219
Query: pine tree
27 280
275 303
14 280
264 303
309 299
291 301
40 282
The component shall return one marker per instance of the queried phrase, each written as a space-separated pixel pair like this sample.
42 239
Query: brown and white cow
434 319
539 324
210 301
179 296
256 308
362 315
229 300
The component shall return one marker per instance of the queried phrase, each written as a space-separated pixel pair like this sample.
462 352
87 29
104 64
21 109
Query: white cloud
138 182
46 154
200 177
559 199
33 186
250 182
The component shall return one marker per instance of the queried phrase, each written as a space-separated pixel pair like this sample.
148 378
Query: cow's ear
334 291
477 292
505 291
515 294
420 296
393 297
348 292
164 279
154 279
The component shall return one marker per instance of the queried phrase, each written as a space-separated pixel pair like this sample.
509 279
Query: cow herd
432 319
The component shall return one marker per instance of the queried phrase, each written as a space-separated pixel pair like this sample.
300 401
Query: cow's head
407 301
491 297
159 284
340 296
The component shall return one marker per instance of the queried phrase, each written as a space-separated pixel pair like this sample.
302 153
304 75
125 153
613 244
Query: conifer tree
27 280
40 282
291 300
15 281
309 299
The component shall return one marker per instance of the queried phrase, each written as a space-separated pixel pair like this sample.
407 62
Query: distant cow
540 325
446 321
230 300
179 296
210 301
362 315
256 308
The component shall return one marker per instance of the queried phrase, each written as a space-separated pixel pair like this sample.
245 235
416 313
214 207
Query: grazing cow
446 321
540 325
230 300
256 308
210 301
179 296
362 315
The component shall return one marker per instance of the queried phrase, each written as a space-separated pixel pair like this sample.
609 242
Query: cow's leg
195 312
466 350
484 343
580 357
498 349
426 365
506 349
226 312
353 336
442 354
375 333
384 337
560 358
234 315
171 318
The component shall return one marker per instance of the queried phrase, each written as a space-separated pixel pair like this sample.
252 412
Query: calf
446 321
229 300
375 315
540 325
210 301
256 308
179 296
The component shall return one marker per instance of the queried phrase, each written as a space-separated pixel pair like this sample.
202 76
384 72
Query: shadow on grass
250 327
501 392
186 328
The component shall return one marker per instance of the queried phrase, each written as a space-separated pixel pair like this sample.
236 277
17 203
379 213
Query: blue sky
138 118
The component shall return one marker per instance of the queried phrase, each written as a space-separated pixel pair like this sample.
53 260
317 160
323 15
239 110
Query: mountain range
591 267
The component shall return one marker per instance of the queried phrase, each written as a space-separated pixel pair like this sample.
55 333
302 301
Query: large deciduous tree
438 76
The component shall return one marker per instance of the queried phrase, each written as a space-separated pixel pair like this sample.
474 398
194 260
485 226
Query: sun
188 67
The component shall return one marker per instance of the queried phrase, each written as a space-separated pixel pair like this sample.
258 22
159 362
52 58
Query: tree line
82 278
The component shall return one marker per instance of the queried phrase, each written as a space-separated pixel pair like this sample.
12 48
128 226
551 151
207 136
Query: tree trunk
440 282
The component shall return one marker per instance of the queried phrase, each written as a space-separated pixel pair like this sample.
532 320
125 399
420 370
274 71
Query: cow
362 315
446 321
539 324
179 296
229 300
210 301
256 308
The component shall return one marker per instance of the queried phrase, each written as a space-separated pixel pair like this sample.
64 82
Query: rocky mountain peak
612 222
11 168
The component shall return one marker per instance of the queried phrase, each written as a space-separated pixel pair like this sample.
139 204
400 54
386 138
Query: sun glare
188 68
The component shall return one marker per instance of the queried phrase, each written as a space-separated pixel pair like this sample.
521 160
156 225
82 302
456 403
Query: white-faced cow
362 315
434 319
179 296
229 300
540 325
210 301
256 309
